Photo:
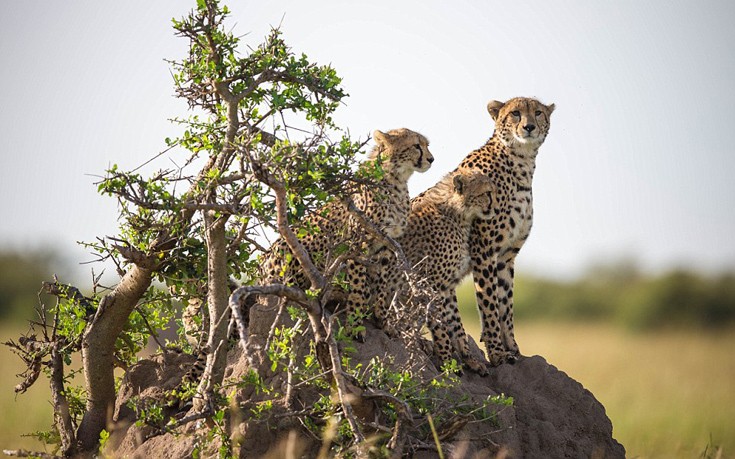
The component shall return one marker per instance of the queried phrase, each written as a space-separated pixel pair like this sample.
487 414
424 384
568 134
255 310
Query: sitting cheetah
400 152
509 159
436 244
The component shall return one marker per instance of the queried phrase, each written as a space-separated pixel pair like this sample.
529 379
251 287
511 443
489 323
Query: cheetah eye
538 112
516 113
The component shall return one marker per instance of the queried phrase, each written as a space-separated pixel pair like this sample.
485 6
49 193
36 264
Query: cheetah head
477 192
402 151
521 121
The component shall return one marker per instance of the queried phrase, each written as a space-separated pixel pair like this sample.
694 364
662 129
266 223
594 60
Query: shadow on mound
550 414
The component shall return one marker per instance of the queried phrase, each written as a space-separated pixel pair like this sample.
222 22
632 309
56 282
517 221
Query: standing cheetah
509 159
436 244
400 152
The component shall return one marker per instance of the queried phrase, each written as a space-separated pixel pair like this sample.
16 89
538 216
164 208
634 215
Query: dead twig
32 353
181 422
31 376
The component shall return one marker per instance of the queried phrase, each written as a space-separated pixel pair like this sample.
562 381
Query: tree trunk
62 417
217 302
98 349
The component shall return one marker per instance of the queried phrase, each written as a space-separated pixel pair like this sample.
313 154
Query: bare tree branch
317 280
31 375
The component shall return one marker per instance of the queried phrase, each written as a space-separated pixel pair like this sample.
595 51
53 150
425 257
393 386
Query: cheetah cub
436 244
400 153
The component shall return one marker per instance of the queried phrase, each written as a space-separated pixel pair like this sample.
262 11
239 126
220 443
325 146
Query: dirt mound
550 415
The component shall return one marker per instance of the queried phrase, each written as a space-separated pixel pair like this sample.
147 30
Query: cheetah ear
458 182
380 137
551 108
493 107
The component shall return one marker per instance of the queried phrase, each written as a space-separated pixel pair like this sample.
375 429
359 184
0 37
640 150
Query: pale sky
638 163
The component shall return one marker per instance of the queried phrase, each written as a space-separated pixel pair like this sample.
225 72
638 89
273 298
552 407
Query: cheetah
436 244
400 152
509 159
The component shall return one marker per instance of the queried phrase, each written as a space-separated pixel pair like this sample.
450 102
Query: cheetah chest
390 210
457 257
520 219
464 265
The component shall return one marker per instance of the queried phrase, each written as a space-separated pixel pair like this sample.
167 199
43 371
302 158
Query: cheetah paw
477 366
499 357
359 335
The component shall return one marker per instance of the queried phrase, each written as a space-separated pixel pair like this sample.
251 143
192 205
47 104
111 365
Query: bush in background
20 281
675 299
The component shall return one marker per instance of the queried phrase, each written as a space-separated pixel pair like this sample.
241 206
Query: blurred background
627 282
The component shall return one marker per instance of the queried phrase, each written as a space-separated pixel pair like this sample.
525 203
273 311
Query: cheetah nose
430 159
529 128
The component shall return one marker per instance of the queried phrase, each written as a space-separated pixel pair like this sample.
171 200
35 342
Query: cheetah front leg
485 274
384 283
357 298
505 271
447 333
439 326
460 342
